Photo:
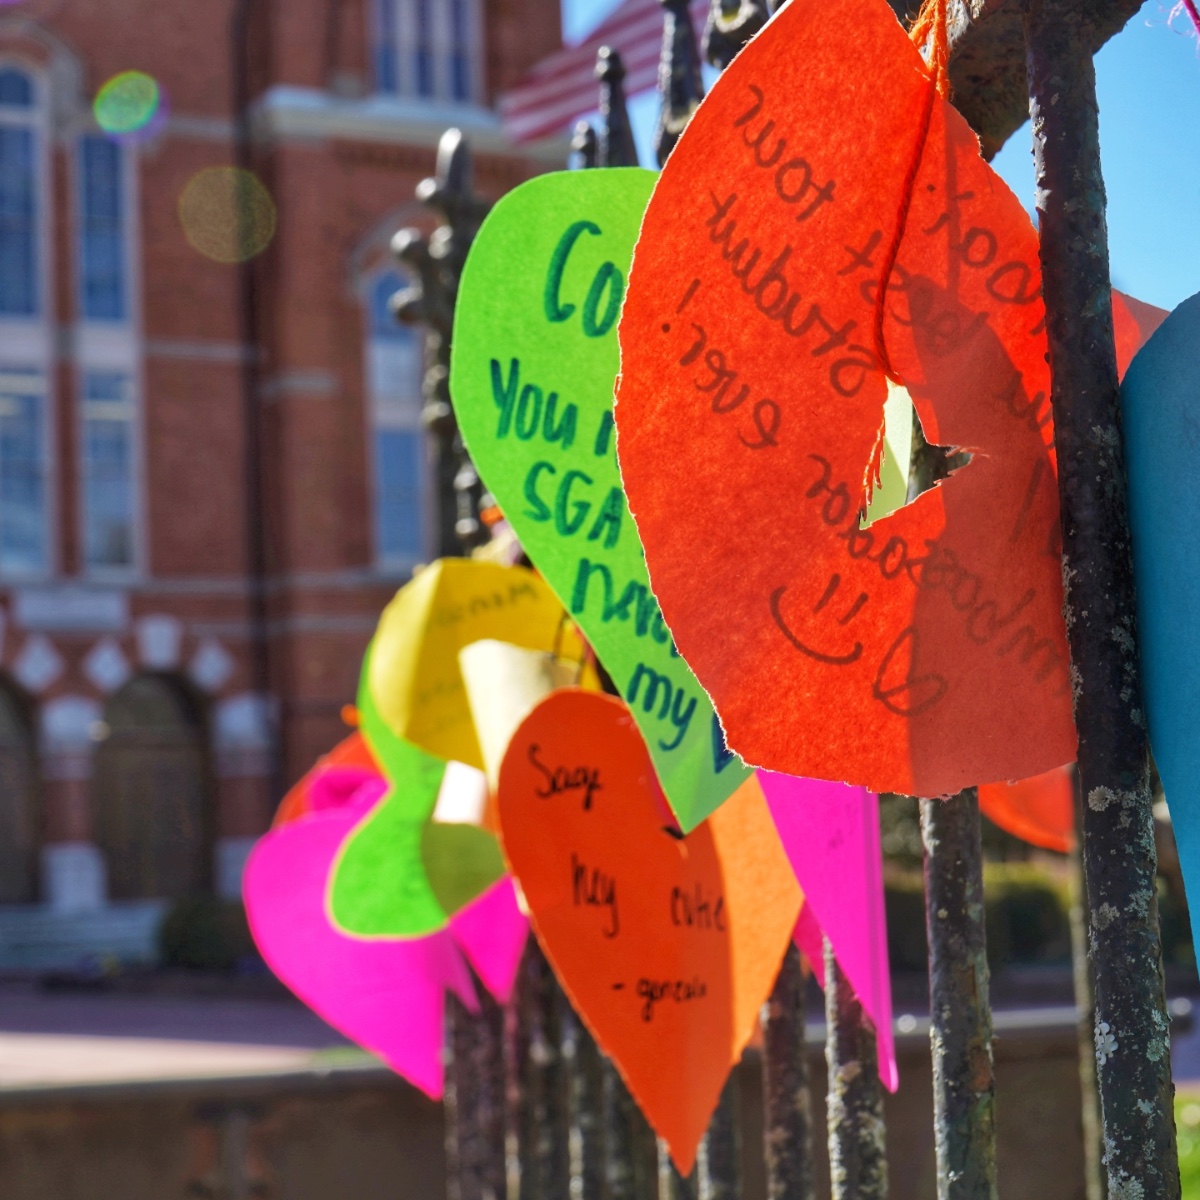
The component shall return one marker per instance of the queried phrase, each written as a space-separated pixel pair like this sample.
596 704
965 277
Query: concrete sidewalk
56 1039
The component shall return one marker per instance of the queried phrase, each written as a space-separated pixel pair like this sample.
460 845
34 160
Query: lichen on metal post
857 1135
960 1014
1132 1037
787 1105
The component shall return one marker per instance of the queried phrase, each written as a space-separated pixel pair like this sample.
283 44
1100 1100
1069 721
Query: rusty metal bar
960 1031
857 1136
538 1158
475 1100
1085 1007
672 1185
630 1148
680 85
718 1164
585 1103
787 1105
1132 1040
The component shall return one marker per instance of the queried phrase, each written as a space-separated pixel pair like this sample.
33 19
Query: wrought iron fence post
730 25
718 1164
1085 1008
787 1106
475 1100
437 263
680 85
538 1159
585 1104
630 1148
672 1185
857 1136
615 145
960 1033
1132 1038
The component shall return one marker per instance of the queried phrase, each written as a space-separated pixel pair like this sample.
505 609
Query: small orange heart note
667 946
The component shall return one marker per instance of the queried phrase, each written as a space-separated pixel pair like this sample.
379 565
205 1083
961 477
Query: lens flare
127 103
227 214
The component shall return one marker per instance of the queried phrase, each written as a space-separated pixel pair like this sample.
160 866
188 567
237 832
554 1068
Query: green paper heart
397 873
535 360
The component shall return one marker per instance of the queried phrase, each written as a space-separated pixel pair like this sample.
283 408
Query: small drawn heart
666 946
535 359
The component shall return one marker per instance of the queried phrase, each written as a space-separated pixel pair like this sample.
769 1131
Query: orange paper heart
667 947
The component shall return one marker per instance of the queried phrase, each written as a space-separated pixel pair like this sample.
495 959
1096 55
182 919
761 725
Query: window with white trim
428 49
25 341
394 368
107 470
20 180
103 286
23 533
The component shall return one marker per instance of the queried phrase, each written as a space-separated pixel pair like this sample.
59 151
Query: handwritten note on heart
1162 439
413 675
667 947
535 358
910 656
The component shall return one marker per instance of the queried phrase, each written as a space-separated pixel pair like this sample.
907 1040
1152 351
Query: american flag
562 87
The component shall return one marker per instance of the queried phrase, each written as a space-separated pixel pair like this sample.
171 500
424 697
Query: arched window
399 448
428 48
150 789
18 801
25 344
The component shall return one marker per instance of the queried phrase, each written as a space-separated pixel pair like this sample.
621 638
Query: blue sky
1148 79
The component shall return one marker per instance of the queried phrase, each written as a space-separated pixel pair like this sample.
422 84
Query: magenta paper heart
830 833
386 994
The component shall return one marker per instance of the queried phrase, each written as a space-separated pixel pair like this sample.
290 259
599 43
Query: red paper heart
926 652
666 946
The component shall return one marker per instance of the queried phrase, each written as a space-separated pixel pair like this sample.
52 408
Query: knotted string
928 32
1189 6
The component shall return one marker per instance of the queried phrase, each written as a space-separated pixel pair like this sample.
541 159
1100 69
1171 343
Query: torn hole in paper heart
901 438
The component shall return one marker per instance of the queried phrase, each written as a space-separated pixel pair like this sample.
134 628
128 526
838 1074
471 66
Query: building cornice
284 113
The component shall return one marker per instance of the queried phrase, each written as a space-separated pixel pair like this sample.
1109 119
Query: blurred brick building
146 715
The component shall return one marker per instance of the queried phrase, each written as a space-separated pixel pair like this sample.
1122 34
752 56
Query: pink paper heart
830 832
386 995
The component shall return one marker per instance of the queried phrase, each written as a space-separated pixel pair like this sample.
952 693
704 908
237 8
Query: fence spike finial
436 265
615 145
731 24
680 84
